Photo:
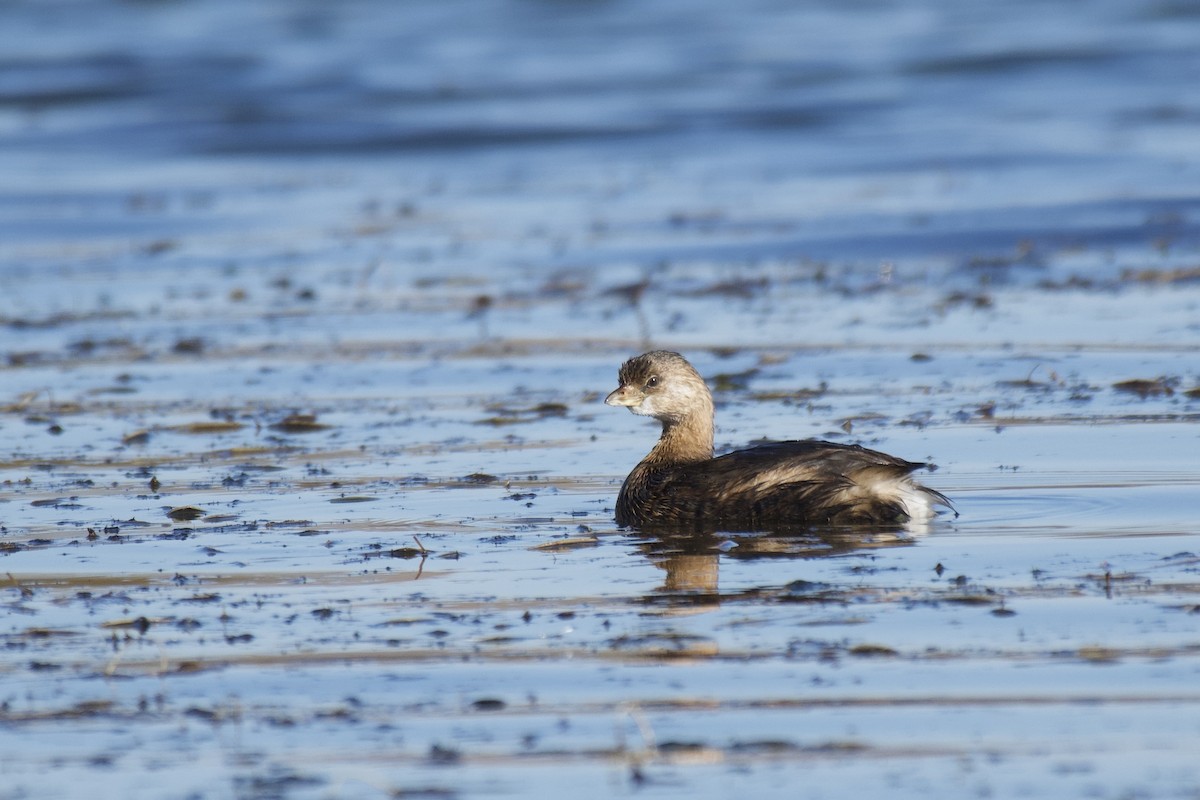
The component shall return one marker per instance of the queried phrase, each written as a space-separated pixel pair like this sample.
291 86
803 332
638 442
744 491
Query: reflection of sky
548 134
899 80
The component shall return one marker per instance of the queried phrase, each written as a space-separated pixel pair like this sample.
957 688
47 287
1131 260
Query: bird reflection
692 561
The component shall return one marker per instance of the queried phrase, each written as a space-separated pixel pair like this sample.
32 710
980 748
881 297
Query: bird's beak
625 395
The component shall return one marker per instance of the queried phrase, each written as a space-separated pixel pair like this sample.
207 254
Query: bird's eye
650 384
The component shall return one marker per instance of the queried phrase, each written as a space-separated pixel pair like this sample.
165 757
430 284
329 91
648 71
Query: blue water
948 230
611 131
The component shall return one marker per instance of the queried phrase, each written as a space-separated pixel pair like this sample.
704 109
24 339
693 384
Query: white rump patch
917 503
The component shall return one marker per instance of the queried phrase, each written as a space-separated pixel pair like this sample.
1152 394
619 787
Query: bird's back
777 485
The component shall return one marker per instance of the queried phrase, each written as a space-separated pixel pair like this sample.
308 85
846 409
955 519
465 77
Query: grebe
679 485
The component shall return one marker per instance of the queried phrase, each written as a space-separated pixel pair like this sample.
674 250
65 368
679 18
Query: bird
680 485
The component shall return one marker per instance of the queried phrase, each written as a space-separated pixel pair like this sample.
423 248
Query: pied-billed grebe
778 485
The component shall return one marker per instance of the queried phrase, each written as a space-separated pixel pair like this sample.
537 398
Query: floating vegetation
1143 388
135 438
299 423
508 415
1052 381
210 427
567 543
191 346
733 381
1154 275
185 513
872 651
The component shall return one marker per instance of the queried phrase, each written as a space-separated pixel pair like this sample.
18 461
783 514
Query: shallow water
306 317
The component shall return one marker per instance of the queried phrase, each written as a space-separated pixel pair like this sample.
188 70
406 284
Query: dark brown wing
774 485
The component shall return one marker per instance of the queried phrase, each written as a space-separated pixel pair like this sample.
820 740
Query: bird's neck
684 440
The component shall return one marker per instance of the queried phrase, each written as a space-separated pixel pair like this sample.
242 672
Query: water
307 313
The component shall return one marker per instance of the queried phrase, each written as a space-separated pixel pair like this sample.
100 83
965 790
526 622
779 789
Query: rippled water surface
307 312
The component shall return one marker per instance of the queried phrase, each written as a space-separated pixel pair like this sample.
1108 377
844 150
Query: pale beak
625 396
